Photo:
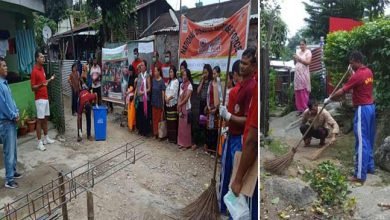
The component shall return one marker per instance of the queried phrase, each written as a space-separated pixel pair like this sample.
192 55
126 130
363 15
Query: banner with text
115 73
209 44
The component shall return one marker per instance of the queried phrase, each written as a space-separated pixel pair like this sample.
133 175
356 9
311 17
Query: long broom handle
223 103
323 107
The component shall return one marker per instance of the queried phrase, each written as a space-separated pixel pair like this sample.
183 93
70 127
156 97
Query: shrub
328 181
372 40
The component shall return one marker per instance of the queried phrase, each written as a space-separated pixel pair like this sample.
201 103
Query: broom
279 164
206 205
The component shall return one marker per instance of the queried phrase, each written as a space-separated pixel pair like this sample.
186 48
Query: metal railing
46 201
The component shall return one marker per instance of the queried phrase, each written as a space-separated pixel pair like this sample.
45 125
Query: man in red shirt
39 86
236 120
361 82
249 151
156 62
166 65
137 60
85 103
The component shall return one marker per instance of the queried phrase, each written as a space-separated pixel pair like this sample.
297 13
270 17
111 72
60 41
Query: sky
191 3
295 18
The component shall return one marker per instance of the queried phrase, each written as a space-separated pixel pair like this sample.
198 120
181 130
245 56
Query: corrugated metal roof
164 23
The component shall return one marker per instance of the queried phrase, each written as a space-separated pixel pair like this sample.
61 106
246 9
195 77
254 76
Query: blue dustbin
100 122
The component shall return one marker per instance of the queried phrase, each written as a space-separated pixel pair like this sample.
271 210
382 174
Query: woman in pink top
302 85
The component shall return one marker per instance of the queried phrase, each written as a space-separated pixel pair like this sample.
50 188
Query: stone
382 155
368 198
290 191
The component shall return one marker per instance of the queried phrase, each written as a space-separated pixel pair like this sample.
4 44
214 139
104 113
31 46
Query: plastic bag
237 206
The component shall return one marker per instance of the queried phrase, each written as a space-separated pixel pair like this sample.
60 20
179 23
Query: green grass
277 147
22 94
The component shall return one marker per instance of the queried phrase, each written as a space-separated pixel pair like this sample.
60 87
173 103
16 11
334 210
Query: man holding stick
323 126
249 151
236 120
39 86
361 82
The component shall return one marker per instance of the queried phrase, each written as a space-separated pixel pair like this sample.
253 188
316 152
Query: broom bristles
204 207
279 164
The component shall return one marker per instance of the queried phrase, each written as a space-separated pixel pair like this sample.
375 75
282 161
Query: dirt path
153 188
341 154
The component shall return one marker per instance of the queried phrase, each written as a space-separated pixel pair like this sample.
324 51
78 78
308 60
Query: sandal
355 180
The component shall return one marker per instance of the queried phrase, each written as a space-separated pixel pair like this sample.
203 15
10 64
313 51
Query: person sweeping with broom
236 120
361 83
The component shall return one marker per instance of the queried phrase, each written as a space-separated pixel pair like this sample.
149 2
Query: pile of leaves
330 184
373 41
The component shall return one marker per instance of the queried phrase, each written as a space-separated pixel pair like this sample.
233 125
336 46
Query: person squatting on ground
158 95
171 96
302 85
85 105
9 117
143 118
184 138
39 86
323 127
236 120
74 83
213 100
361 83
249 152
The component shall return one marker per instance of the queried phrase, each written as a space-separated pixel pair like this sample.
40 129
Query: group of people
151 98
9 116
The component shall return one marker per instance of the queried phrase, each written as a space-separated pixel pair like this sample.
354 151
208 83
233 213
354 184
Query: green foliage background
372 39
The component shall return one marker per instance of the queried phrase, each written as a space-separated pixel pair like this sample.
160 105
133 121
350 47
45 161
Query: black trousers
212 139
143 122
98 91
88 109
75 96
319 133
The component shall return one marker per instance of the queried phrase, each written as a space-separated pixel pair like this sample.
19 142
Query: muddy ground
155 187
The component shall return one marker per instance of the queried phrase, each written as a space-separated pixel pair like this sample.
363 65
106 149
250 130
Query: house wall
253 35
12 21
168 41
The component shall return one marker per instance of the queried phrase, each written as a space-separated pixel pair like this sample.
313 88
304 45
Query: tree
56 10
39 22
273 31
273 34
116 15
320 10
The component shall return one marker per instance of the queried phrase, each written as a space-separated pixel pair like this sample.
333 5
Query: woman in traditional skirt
213 100
130 100
184 139
143 109
171 96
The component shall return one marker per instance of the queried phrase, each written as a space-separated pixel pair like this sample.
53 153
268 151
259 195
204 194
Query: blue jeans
8 138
